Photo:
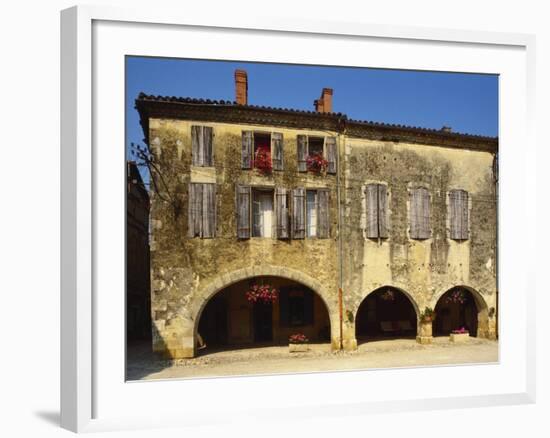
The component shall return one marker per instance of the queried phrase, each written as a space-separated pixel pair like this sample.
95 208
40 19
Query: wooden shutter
323 220
420 213
458 200
298 213
197 155
207 146
194 210
301 144
243 212
330 147
208 210
282 210
246 154
382 211
371 194
277 150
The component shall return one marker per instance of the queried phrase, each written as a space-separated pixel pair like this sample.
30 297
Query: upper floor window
316 149
262 150
262 213
202 146
282 213
420 213
202 210
376 226
458 214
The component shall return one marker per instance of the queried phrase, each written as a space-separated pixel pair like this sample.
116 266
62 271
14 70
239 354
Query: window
259 147
420 213
459 214
376 211
310 145
295 307
282 213
202 149
310 213
202 210
262 213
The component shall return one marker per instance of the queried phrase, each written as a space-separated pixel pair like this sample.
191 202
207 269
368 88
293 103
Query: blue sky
466 102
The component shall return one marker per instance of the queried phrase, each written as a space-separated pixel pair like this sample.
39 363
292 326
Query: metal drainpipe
340 242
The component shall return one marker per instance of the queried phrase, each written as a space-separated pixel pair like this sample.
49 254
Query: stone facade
186 272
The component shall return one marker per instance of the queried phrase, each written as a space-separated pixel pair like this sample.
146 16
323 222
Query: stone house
360 226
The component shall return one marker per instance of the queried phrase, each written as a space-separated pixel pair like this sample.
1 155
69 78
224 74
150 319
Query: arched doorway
386 312
230 320
458 308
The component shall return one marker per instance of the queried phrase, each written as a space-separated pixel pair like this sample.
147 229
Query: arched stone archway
224 281
471 311
387 311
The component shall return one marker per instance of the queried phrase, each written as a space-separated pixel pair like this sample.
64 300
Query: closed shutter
243 212
194 210
208 210
420 213
197 154
298 213
207 145
330 146
371 194
382 211
458 200
301 142
282 211
323 220
277 150
246 154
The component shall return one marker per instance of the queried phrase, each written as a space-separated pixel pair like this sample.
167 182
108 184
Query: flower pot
459 337
298 348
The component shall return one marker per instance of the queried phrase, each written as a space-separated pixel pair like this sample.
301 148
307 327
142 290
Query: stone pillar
424 332
175 339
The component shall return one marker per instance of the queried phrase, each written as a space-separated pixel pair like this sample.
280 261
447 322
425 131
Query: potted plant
262 293
316 163
427 315
298 342
460 335
262 160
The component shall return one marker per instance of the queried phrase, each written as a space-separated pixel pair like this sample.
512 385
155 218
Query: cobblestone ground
277 359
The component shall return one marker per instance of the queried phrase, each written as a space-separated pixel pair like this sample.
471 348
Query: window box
459 337
297 348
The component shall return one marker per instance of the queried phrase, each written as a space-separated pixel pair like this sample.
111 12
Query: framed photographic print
249 231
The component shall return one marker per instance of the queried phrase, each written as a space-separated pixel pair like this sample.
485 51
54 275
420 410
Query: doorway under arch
459 307
230 321
387 312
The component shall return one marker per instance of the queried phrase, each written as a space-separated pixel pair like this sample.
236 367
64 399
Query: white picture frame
93 398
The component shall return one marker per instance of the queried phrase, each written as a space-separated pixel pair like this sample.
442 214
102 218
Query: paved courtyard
276 359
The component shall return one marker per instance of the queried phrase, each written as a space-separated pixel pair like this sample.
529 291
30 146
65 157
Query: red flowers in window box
262 160
262 293
460 331
316 163
298 338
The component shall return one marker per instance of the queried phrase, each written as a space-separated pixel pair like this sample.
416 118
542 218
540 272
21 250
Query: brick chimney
324 103
241 87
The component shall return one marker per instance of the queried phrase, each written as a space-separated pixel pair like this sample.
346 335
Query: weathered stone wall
186 272
423 269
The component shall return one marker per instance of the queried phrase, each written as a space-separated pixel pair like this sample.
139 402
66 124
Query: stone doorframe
204 294
486 323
